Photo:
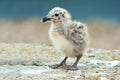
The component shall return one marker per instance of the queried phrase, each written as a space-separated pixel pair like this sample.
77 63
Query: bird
68 36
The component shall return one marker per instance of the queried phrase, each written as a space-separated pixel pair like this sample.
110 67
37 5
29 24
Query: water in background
80 9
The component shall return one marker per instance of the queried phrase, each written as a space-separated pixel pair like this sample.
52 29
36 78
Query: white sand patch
96 74
103 78
112 63
108 64
22 69
95 61
32 71
81 65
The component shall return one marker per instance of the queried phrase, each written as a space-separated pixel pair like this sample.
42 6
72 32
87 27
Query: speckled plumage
68 37
73 34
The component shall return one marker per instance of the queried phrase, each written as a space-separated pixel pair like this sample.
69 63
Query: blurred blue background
80 9
20 20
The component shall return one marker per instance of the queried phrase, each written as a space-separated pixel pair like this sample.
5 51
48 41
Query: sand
21 61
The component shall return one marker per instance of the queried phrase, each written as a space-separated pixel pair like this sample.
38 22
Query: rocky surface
30 62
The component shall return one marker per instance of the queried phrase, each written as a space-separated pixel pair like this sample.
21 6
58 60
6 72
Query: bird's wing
77 33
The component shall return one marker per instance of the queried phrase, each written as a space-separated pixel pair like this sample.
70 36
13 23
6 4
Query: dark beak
46 19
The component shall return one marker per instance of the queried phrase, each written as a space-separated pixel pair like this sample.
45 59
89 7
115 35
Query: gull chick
68 37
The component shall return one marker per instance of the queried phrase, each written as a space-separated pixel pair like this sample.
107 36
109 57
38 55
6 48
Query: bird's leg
61 65
74 66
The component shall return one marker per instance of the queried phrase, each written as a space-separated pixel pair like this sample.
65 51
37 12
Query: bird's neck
60 27
62 23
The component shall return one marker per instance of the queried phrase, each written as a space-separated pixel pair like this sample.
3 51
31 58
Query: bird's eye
56 15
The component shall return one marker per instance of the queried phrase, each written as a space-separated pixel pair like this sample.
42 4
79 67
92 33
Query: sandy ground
30 62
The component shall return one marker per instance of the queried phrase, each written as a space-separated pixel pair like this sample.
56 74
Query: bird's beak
46 19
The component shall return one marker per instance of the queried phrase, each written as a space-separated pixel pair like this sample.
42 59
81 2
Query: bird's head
56 15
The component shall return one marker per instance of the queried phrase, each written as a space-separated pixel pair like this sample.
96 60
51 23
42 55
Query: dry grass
103 34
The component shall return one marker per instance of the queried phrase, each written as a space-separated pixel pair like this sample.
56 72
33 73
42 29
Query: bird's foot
72 68
57 66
